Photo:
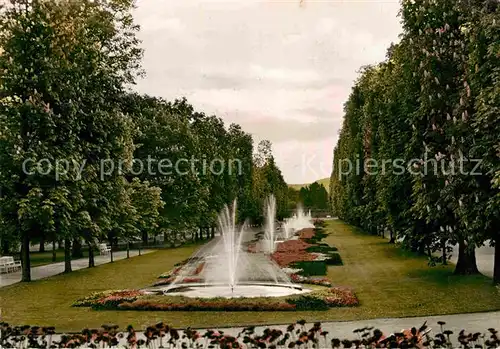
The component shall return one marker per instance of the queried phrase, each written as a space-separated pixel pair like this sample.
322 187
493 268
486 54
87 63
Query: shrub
309 303
334 259
311 267
321 248
319 223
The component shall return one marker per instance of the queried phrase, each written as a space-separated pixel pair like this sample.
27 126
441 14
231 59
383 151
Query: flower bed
306 249
292 246
284 259
319 299
108 298
295 335
170 273
199 268
307 233
302 255
300 279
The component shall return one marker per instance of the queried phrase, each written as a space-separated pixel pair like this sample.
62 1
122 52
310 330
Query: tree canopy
418 150
84 158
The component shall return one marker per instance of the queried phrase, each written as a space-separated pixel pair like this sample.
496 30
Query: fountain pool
223 268
240 290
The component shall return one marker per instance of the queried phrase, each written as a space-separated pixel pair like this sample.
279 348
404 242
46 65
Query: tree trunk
111 249
5 247
444 255
67 256
54 254
421 247
496 266
391 239
25 258
128 249
466 264
110 242
91 255
77 251
42 244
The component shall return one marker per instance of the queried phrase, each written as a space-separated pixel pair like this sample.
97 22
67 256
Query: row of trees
418 153
313 196
85 159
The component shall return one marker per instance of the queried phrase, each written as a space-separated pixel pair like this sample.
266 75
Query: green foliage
322 248
310 268
334 259
309 303
314 196
430 103
66 67
267 179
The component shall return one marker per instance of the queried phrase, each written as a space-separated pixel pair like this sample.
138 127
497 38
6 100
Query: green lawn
388 282
42 258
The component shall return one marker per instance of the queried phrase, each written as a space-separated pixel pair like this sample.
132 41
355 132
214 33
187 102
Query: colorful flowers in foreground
295 335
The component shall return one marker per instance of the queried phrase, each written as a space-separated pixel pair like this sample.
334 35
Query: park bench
104 249
7 264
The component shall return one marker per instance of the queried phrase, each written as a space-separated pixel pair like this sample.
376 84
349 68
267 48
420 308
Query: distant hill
324 181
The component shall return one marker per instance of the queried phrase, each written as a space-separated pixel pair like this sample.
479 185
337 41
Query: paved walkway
48 270
476 322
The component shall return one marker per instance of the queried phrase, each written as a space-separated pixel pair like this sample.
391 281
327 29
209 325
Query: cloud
278 130
321 114
281 70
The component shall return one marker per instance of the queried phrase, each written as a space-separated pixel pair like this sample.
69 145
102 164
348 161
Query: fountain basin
250 290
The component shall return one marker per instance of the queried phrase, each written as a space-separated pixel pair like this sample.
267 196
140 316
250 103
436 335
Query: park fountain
269 226
223 268
300 220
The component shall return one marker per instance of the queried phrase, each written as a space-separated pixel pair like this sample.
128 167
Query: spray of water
226 269
270 218
232 242
299 220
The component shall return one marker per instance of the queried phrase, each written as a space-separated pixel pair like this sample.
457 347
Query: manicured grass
43 258
387 281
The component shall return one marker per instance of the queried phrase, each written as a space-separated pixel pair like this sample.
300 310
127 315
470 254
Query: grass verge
387 281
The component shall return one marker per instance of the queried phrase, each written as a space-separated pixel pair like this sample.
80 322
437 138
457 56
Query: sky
280 69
